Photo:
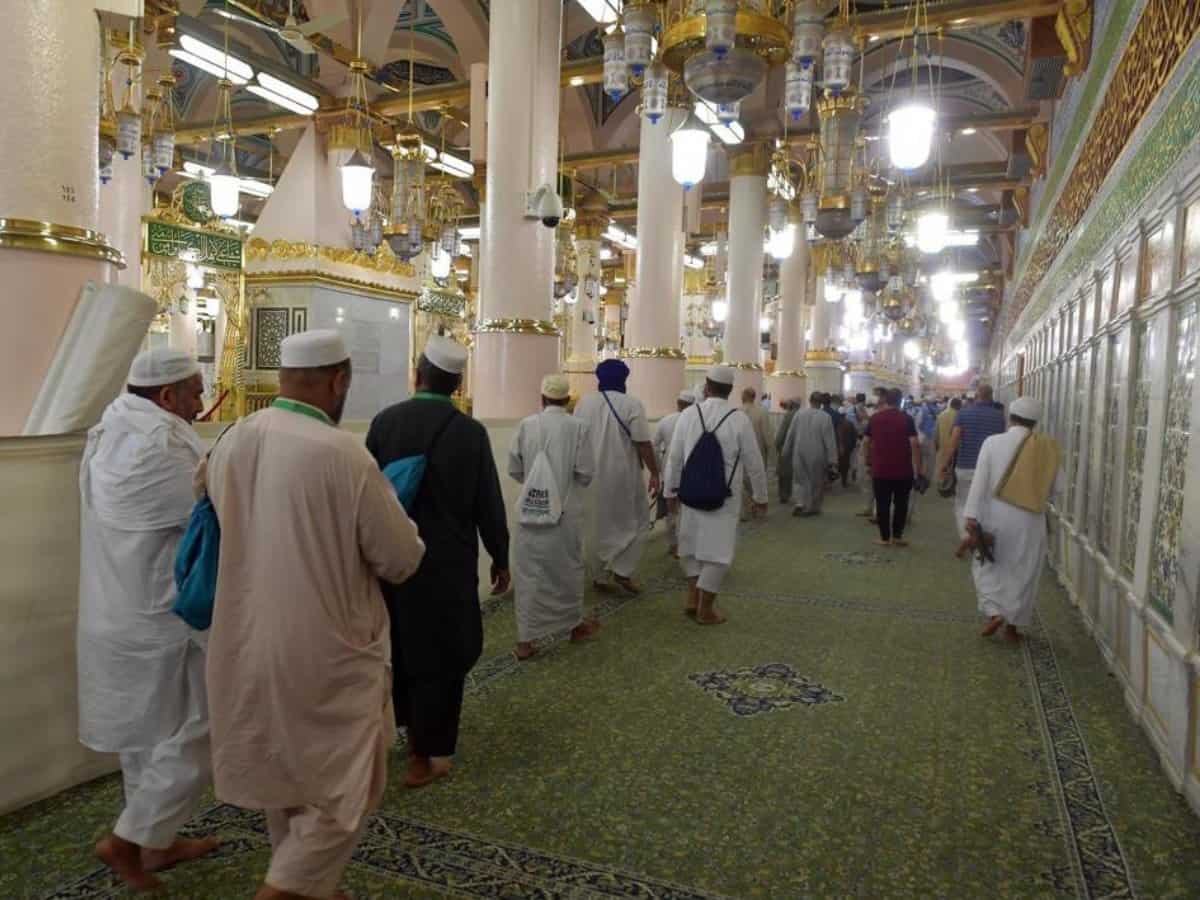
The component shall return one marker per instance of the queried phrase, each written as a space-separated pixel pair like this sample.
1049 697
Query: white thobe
663 432
620 512
1008 586
141 668
813 449
548 559
711 535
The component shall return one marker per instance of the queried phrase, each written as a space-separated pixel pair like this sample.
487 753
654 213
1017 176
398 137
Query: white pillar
516 343
587 315
823 363
49 90
652 351
479 104
788 379
747 218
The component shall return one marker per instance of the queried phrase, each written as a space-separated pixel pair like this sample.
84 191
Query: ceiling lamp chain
358 171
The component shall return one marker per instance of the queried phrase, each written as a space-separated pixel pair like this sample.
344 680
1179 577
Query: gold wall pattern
384 262
1158 42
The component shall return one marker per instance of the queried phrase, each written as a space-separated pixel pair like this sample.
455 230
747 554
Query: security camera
545 204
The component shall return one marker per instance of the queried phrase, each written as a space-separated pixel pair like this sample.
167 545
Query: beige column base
786 386
824 375
581 373
508 368
746 375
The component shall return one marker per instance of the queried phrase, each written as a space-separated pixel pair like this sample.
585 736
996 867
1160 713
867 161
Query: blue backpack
196 563
702 483
928 421
407 473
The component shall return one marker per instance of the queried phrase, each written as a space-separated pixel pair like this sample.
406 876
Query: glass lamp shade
639 35
164 151
724 79
720 27
616 73
910 135
931 231
728 113
839 60
689 152
858 205
777 213
809 202
129 132
223 186
941 285
782 241
358 235
439 264
720 309
448 239
149 170
375 234
654 92
357 173
895 211
797 90
808 28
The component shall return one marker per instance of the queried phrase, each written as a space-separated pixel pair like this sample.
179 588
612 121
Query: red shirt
891 453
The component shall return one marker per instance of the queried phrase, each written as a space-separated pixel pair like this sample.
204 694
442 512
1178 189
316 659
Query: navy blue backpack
702 483
196 562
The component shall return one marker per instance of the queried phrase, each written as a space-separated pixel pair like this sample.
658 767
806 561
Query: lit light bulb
439 263
911 350
720 309
357 173
764 323
941 285
689 152
223 188
932 227
781 242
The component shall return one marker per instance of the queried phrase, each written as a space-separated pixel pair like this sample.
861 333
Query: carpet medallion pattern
611 769
760 689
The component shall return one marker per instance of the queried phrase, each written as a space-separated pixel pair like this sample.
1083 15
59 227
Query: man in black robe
437 628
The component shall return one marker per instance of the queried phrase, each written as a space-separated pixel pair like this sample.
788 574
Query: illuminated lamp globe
782 241
357 173
689 152
439 264
910 135
941 285
932 227
720 309
223 187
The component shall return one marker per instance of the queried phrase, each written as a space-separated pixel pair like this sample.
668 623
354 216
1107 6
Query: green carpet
847 734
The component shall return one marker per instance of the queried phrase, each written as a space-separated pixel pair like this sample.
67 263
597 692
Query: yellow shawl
1030 476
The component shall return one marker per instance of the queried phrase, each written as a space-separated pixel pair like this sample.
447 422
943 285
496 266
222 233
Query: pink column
788 379
747 218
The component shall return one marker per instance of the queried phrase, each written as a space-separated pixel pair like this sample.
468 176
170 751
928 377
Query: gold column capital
748 159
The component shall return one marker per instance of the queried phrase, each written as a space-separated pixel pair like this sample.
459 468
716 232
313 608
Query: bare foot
899 542
882 543
628 584
525 650
583 631
1011 634
125 860
183 850
690 612
992 626
423 770
714 618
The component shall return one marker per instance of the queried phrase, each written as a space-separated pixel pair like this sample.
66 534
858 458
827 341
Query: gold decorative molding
46 237
518 326
700 360
748 159
1158 42
820 356
789 373
383 262
315 276
765 35
1073 25
1037 142
745 367
653 353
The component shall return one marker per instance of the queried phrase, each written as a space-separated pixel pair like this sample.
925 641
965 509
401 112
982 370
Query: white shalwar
1007 587
141 668
619 505
663 432
548 559
708 538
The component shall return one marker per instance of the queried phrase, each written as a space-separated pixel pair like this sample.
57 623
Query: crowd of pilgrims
341 612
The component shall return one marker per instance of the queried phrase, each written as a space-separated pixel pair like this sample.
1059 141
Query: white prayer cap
161 365
446 354
556 387
687 397
720 374
312 349
1026 408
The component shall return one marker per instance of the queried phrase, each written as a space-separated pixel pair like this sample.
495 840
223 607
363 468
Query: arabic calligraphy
200 247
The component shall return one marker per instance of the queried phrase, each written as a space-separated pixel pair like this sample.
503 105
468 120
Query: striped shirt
978 423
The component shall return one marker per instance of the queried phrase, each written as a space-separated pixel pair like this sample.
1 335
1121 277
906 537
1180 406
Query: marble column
656 364
788 380
823 362
747 218
50 242
587 314
516 343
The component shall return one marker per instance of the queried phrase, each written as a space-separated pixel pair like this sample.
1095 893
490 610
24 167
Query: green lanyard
304 409
429 395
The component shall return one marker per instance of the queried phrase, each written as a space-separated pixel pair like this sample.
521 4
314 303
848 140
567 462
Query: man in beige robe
761 425
299 658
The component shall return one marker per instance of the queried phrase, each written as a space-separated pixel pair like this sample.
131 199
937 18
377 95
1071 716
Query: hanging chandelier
689 151
911 118
129 120
405 231
355 133
223 182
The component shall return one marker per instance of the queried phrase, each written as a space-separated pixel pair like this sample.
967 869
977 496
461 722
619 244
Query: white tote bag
539 503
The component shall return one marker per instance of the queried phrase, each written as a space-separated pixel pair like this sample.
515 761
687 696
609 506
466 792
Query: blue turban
612 374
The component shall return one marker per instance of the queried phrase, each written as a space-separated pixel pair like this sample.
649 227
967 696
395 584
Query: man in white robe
548 572
620 510
299 662
708 538
663 432
1007 588
141 667
813 448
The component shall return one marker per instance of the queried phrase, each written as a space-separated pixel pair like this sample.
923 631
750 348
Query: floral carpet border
1097 866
